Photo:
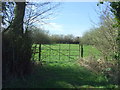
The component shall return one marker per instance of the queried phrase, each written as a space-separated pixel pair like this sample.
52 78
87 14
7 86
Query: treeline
42 37
104 36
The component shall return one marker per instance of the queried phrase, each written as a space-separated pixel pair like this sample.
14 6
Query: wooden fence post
82 50
39 52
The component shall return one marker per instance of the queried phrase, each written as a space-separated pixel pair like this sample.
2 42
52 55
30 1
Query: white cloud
53 27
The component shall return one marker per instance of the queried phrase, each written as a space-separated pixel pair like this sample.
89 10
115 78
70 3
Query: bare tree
39 12
35 12
17 43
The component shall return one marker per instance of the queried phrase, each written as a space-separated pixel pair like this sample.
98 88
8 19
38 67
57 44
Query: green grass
58 53
57 75
61 75
91 51
64 52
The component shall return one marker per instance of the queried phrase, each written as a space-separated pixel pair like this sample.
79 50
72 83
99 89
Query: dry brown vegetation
101 66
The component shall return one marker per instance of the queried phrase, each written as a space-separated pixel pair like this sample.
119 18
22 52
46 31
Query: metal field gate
56 53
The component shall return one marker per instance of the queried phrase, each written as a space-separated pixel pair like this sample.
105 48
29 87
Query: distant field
64 52
90 50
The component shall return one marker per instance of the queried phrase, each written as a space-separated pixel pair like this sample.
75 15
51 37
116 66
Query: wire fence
56 52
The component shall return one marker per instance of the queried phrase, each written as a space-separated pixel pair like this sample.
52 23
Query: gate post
39 52
82 50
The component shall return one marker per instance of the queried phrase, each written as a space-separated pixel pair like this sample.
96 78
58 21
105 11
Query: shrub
40 36
16 54
108 68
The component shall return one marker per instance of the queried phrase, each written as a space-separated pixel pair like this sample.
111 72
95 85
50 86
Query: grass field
62 75
64 52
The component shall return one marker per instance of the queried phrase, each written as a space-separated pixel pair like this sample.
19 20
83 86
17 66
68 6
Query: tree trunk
17 24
